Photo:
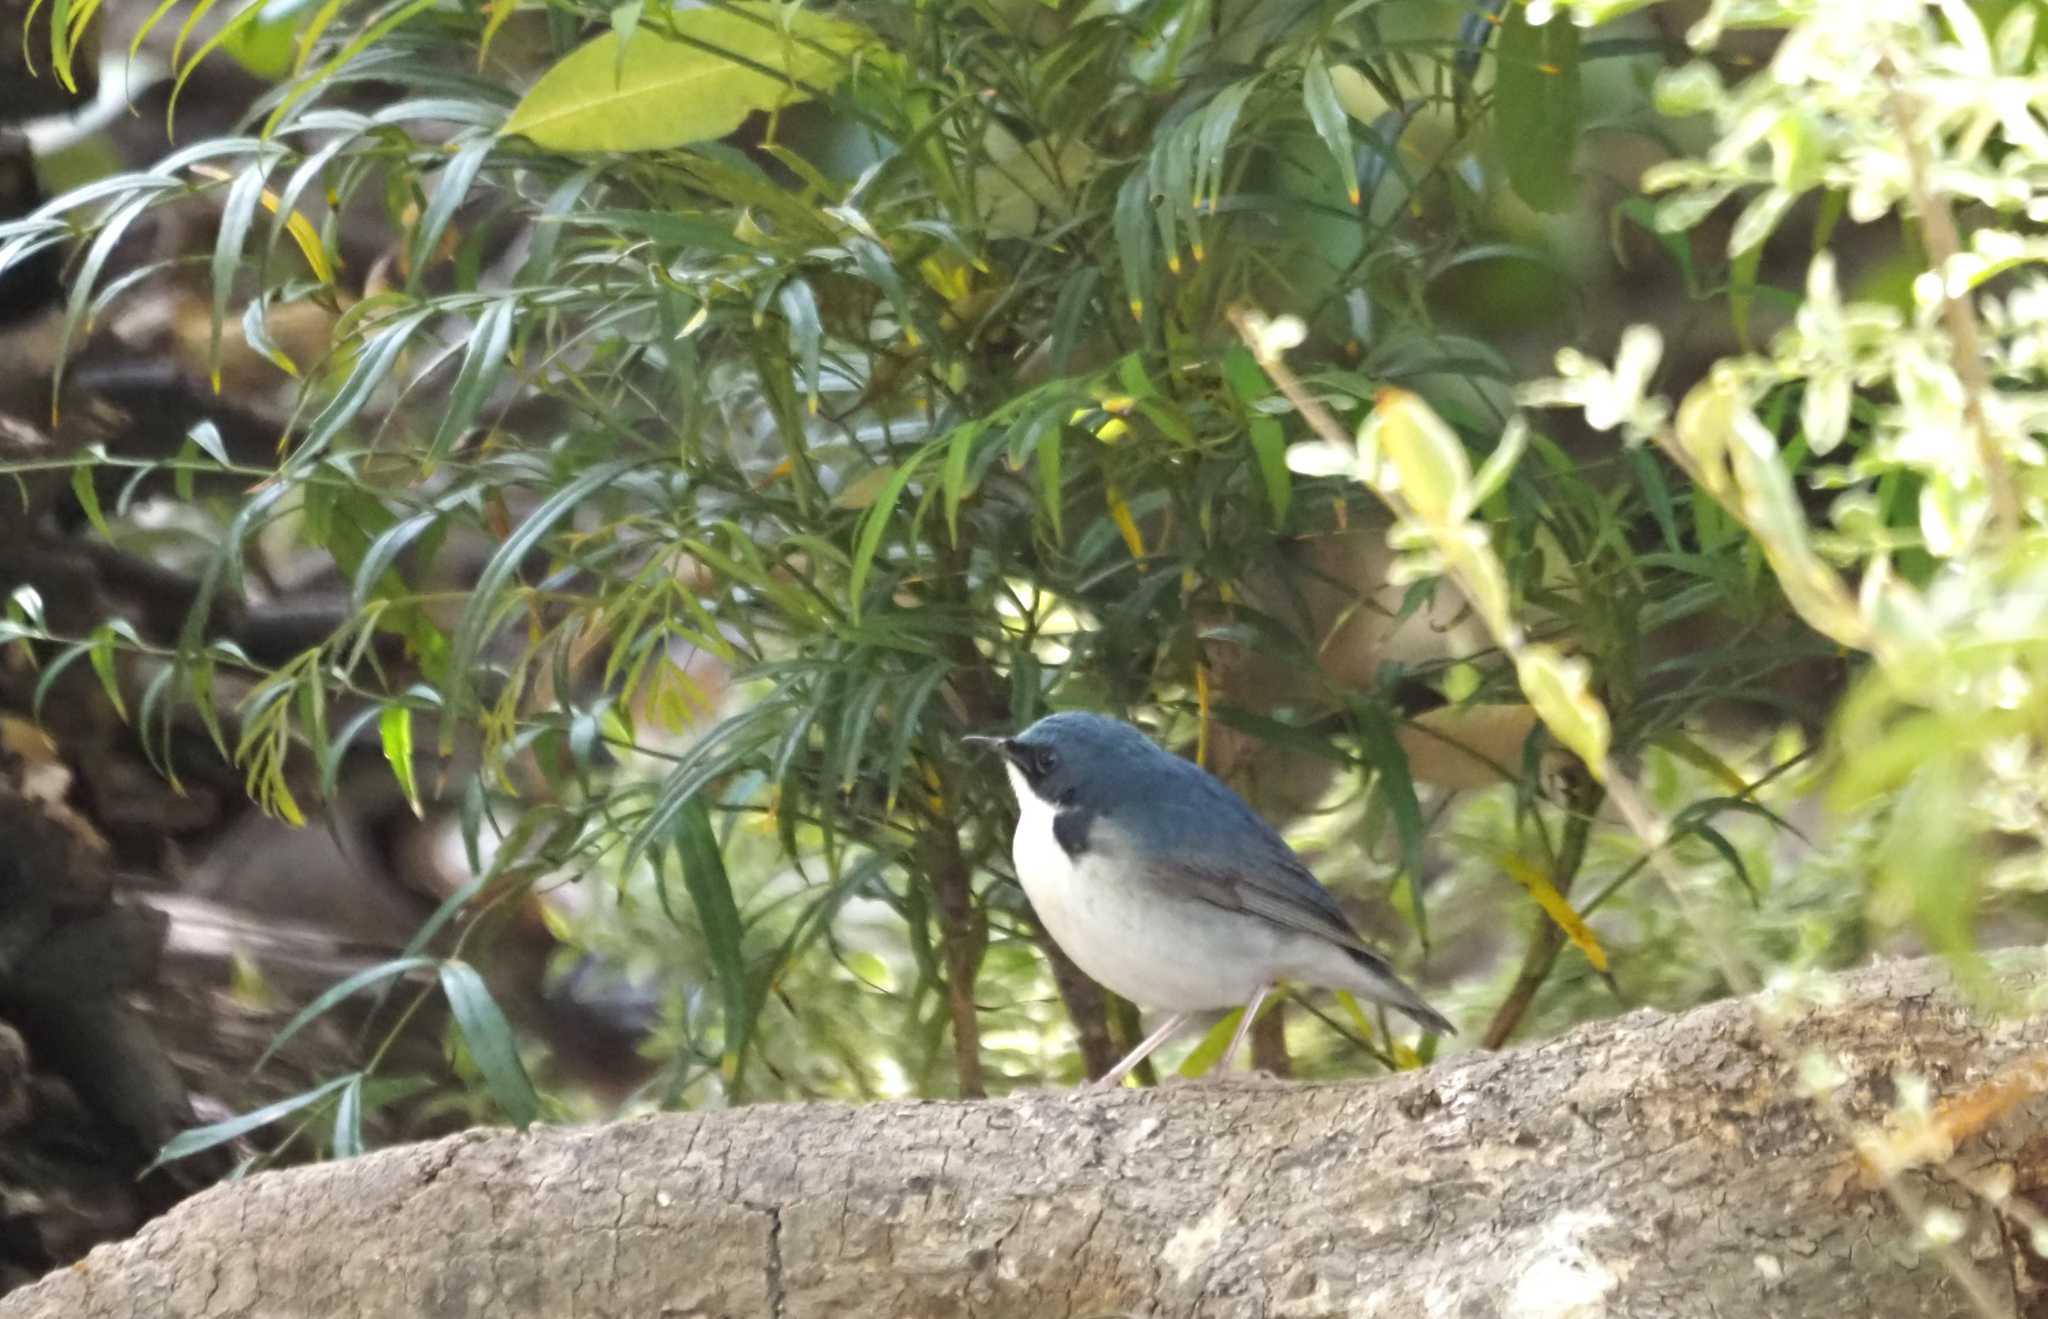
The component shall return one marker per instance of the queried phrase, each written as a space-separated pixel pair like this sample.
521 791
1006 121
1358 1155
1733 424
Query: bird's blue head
1077 758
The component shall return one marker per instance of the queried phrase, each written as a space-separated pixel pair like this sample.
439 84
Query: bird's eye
1048 760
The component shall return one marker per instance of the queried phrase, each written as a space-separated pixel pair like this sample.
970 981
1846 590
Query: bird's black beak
1005 745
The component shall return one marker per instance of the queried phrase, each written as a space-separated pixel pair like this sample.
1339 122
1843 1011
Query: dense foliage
717 470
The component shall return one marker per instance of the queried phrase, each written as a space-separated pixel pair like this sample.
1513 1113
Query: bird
1167 888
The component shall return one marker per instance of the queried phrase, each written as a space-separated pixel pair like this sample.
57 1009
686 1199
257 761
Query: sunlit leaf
721 65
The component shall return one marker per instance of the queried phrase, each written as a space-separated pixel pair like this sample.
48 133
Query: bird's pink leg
1116 1074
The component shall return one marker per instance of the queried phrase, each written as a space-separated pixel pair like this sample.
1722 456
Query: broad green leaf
661 92
1536 106
489 1037
1023 185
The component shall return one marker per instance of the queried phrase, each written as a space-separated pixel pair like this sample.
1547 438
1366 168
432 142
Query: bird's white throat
1042 864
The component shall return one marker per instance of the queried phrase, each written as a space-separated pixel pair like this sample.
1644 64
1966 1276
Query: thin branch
1966 345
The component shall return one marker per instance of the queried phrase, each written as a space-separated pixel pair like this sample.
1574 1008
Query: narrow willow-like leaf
482 364
710 889
334 994
1319 98
450 191
875 523
1132 224
237 214
348 1119
1269 446
187 1143
488 597
491 1044
394 732
1382 752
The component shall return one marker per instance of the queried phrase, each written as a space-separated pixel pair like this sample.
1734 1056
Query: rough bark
1652 1165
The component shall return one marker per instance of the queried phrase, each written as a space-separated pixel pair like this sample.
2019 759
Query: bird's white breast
1159 953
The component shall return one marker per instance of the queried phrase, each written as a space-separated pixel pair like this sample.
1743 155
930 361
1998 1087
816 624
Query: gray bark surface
1652 1165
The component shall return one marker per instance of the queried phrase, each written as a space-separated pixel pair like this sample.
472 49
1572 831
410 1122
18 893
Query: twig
1547 940
1966 345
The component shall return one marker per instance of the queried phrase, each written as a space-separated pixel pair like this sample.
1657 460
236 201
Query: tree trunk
1650 1165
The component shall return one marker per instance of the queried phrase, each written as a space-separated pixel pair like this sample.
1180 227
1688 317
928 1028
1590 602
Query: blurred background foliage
690 420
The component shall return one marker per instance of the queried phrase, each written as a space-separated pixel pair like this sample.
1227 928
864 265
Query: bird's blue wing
1205 841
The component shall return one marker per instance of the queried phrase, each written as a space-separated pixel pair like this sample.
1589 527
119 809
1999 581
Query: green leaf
876 522
334 994
187 1143
489 1037
1049 477
87 493
1715 839
1536 106
102 654
450 191
1132 224
348 1119
236 216
710 892
394 730
659 92
374 364
953 476
1382 751
488 596
1319 97
1270 446
482 363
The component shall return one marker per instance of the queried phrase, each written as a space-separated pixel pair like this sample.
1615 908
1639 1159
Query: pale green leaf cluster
1925 409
